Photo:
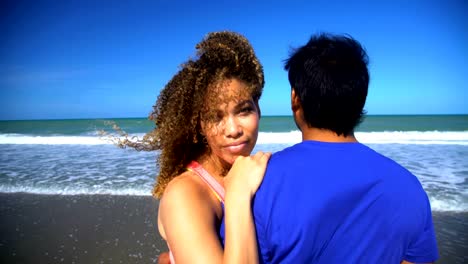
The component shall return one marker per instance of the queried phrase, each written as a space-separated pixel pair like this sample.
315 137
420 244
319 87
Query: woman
207 120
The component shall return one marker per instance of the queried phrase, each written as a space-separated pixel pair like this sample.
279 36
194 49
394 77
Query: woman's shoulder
186 185
188 195
189 188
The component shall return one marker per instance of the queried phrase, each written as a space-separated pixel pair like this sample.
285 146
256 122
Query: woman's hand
241 183
246 174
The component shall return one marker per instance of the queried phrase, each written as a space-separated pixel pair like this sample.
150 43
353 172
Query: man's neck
325 135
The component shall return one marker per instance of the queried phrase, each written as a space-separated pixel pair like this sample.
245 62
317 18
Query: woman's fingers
258 155
263 156
266 156
247 173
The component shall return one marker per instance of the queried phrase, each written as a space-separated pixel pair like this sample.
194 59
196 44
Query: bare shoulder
188 191
184 186
178 200
187 218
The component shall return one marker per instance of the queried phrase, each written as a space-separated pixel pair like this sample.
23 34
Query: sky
110 59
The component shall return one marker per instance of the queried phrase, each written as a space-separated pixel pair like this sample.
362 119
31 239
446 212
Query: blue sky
101 59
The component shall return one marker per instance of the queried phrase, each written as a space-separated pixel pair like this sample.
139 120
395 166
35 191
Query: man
330 199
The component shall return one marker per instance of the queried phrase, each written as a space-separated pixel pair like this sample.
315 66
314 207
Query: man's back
341 203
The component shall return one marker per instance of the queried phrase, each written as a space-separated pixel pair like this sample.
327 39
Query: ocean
70 157
65 171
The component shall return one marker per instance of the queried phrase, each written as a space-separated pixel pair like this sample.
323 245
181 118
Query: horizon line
113 118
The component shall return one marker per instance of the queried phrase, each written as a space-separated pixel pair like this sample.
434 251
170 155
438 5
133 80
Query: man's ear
295 102
297 110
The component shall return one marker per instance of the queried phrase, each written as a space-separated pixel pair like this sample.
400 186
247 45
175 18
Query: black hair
329 75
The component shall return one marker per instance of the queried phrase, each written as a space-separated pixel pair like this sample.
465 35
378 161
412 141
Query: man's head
329 76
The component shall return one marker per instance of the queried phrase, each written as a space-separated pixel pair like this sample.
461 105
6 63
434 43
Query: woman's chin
232 158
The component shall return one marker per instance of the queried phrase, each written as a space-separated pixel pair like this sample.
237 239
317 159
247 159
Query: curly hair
178 110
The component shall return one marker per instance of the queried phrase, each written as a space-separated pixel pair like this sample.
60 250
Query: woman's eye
246 110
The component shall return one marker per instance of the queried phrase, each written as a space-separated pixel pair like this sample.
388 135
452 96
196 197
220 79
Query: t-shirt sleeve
262 204
260 228
423 248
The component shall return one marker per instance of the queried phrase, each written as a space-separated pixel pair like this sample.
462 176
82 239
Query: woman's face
232 128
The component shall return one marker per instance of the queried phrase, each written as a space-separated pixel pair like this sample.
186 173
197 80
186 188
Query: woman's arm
188 215
188 219
241 183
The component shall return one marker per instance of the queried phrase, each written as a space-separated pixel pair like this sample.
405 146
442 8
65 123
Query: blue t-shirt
341 203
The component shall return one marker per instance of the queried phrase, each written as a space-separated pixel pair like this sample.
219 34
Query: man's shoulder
291 152
283 161
388 166
283 168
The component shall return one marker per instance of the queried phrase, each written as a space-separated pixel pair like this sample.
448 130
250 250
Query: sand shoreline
78 229
122 229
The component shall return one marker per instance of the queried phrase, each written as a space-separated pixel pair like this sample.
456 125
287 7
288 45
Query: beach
69 196
123 229
79 229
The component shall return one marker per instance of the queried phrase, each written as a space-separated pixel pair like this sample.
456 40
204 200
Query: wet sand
78 229
122 229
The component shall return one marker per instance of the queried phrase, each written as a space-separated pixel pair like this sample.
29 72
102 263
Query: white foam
279 137
447 205
21 139
51 140
387 137
415 137
76 191
390 137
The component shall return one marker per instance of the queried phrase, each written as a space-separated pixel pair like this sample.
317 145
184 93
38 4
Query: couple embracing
327 199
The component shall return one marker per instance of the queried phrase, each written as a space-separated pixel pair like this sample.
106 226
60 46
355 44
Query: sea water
70 157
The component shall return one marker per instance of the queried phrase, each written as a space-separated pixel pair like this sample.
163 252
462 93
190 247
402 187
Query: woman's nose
232 128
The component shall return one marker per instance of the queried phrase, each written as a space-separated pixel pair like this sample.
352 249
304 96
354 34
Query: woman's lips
236 148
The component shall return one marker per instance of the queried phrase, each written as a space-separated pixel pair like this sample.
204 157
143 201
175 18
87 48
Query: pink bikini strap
214 185
171 257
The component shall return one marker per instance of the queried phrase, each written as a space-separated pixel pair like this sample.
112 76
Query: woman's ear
258 109
202 128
